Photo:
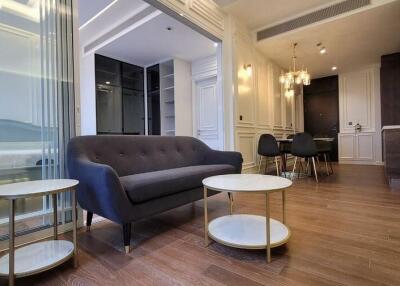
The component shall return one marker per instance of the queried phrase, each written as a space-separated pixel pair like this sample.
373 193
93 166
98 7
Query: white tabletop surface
315 139
35 188
246 183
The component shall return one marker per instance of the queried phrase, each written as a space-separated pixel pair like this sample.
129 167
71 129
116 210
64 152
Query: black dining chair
324 149
303 146
285 149
268 147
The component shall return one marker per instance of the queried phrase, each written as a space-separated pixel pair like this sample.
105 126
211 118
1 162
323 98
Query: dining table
290 140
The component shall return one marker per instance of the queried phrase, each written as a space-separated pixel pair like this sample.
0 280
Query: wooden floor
345 231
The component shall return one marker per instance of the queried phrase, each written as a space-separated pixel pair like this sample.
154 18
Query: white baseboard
360 162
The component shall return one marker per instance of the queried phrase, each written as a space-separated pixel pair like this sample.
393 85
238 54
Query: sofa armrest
100 190
225 157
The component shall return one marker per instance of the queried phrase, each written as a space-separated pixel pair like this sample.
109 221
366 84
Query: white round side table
245 230
40 256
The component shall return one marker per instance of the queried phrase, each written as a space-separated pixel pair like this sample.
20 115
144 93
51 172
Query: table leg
74 230
276 165
55 218
284 207
230 196
11 250
206 240
267 228
283 158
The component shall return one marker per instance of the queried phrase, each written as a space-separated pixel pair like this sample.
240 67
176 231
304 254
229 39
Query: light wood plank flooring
345 231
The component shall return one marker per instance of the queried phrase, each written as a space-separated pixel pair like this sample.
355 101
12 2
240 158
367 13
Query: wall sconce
248 69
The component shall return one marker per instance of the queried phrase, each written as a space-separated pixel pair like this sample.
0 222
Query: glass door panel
133 112
108 109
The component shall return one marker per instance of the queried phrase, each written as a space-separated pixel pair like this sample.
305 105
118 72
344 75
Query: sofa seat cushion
146 186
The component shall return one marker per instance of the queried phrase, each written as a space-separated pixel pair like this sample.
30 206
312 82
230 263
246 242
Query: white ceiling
152 42
89 8
354 41
260 13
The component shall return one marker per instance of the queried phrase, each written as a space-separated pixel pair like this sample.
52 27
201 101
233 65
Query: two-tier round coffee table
39 256
244 230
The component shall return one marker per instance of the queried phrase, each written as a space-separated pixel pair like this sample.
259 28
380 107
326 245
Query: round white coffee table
244 230
39 256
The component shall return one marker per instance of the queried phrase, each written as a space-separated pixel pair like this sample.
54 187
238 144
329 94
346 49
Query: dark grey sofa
128 178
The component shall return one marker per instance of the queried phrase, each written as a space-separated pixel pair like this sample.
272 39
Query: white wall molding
203 13
246 143
258 96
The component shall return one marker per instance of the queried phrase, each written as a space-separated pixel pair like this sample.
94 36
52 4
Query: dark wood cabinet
321 110
390 115
119 97
390 89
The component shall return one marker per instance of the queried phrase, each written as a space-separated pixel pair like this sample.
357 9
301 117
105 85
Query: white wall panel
263 119
359 102
245 99
204 13
365 146
346 146
246 143
277 97
356 100
258 99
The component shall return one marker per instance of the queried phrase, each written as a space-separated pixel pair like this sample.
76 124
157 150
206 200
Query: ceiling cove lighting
98 14
293 76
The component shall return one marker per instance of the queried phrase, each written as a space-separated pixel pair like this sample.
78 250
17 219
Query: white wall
183 98
359 102
87 95
260 104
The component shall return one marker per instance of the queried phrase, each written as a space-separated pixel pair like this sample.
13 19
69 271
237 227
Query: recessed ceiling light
215 44
107 82
322 51
334 68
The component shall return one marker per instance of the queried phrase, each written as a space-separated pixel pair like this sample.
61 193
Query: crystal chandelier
293 76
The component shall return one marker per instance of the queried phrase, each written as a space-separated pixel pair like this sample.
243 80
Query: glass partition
36 103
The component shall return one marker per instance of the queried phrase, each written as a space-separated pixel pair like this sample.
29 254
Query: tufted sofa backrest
132 154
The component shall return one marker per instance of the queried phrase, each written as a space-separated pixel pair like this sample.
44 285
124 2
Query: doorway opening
140 76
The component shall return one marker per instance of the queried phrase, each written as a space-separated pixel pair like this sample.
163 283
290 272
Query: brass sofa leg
126 229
